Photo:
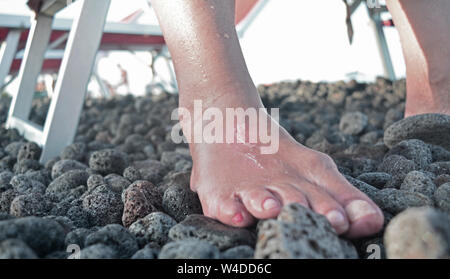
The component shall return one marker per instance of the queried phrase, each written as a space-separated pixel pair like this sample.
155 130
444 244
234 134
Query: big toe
365 217
363 214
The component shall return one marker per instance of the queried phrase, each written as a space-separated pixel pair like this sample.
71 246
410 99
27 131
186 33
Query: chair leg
74 75
383 48
8 51
33 59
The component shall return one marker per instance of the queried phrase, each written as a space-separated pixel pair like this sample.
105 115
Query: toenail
358 209
237 218
270 204
338 221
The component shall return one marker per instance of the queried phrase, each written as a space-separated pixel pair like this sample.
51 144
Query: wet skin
236 184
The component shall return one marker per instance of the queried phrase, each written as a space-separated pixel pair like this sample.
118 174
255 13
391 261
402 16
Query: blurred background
288 40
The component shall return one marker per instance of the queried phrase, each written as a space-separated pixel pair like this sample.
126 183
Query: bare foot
237 184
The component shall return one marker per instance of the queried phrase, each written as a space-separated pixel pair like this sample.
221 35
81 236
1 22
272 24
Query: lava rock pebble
108 161
353 123
418 233
189 249
180 201
116 237
63 166
98 251
153 228
29 205
442 197
426 127
395 201
41 235
104 206
239 252
415 150
297 233
68 181
16 249
218 234
29 151
140 199
418 182
377 179
148 252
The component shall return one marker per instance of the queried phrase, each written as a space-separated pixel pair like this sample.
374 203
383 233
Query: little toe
232 212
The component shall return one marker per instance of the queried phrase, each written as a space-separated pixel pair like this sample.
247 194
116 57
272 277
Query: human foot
237 184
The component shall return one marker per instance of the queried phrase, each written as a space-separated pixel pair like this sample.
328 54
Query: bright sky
289 40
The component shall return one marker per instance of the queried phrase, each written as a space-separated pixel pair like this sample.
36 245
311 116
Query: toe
260 202
226 208
232 212
321 202
364 215
289 194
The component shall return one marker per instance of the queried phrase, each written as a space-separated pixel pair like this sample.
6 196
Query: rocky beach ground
121 190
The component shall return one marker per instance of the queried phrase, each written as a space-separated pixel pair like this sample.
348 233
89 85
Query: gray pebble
218 234
77 236
298 233
76 151
108 161
239 252
442 179
418 233
189 249
63 166
442 197
104 206
418 182
98 251
153 228
79 216
439 153
377 179
426 127
6 197
116 237
439 168
148 252
353 123
415 150
26 165
16 249
41 235
150 170
30 151
30 205
116 182
397 165
132 174
394 201
68 181
94 181
367 189
180 201
24 184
